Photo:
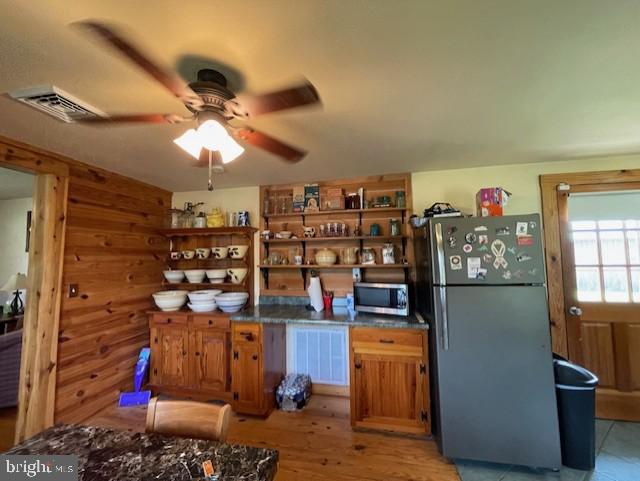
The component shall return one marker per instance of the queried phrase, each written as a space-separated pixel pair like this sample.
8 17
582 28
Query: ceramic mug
297 260
188 254
220 252
309 231
374 230
175 255
203 252
237 274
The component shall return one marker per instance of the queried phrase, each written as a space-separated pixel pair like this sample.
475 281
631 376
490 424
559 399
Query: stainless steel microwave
381 298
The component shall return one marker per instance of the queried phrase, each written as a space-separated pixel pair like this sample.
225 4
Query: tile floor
618 459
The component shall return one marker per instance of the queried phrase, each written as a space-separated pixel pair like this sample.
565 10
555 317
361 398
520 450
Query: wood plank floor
317 443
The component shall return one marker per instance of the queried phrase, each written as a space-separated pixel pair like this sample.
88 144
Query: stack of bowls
194 276
216 276
169 301
231 301
174 277
204 300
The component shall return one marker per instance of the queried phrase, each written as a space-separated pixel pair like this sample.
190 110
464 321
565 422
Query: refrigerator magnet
532 225
498 248
471 238
452 241
483 239
455 262
481 228
503 230
525 240
488 258
474 264
533 272
518 274
521 228
511 250
467 248
483 248
522 257
506 275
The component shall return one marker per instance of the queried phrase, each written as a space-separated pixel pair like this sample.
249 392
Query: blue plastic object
138 397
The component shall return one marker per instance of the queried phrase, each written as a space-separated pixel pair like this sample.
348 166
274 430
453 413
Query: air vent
57 103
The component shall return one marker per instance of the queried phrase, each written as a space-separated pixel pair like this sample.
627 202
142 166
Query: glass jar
401 200
394 227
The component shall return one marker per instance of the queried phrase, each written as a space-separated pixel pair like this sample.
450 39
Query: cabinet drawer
246 332
213 321
387 337
169 319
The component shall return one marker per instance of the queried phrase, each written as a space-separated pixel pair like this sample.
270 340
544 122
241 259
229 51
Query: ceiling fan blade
170 80
265 142
136 118
298 96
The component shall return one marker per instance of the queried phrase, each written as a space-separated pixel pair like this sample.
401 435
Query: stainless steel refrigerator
481 286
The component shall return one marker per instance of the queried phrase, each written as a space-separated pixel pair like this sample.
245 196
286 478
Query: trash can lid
572 376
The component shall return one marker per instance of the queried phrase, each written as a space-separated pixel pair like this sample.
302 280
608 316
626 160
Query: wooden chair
188 419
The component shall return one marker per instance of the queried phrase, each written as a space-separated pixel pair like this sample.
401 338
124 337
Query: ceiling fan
212 105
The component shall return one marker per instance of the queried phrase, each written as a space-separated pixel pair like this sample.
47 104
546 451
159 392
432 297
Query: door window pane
612 248
609 224
583 225
635 284
616 287
633 241
585 248
588 284
631 224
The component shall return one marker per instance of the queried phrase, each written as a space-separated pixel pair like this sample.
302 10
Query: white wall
13 233
233 200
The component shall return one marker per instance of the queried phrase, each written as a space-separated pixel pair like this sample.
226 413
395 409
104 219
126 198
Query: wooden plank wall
116 258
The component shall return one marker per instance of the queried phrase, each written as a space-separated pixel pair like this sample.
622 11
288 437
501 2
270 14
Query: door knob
575 311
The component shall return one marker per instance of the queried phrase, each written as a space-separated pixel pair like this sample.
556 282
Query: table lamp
15 283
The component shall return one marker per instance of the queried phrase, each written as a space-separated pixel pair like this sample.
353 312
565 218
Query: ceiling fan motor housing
211 86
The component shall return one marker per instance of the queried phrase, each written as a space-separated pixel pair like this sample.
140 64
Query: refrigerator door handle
441 271
444 318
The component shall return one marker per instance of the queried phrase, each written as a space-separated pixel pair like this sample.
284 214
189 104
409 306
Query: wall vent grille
57 103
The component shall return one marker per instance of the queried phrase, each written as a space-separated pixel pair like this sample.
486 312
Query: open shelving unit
191 239
291 279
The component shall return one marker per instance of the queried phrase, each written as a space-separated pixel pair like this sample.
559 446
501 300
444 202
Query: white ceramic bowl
205 295
238 251
202 307
174 277
285 234
220 252
232 296
203 252
170 300
216 273
194 276
237 274
188 254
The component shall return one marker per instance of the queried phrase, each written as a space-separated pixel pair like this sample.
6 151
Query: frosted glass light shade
212 135
230 150
190 143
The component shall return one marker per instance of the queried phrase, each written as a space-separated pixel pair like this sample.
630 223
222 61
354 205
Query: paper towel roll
315 294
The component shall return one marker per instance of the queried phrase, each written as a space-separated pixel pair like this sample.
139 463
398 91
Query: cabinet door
211 359
390 392
172 365
246 377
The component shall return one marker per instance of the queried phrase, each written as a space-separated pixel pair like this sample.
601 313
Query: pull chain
210 184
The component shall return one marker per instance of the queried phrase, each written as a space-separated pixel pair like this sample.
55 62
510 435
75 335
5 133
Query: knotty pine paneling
116 257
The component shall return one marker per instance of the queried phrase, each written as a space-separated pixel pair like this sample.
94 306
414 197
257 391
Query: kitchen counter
298 314
109 455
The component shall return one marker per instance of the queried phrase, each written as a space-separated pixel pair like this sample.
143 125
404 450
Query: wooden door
601 271
389 380
172 366
210 354
246 377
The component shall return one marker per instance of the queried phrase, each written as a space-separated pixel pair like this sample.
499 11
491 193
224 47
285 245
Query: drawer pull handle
387 341
168 320
254 357
247 335
210 322
357 365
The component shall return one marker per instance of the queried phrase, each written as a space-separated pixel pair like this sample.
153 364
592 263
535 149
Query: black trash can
576 393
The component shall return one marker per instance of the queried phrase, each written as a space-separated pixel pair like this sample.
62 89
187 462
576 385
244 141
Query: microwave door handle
441 271
444 318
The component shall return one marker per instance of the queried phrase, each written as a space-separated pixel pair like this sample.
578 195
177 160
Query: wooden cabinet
258 366
205 357
389 379
191 355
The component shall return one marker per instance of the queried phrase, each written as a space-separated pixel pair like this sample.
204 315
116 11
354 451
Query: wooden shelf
341 211
380 238
337 266
210 259
205 285
209 231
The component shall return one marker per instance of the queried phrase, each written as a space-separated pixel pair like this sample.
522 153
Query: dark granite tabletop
109 455
298 314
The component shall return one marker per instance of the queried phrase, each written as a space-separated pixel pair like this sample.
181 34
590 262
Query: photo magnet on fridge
521 228
503 231
455 262
483 239
525 240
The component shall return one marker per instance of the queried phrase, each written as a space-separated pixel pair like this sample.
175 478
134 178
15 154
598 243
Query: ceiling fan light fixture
230 150
212 134
190 142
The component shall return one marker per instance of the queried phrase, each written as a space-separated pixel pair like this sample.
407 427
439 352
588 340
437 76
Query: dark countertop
298 314
106 455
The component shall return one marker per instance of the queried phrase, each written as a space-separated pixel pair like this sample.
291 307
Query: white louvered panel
320 352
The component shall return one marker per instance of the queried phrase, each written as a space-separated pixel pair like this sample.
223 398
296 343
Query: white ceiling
407 85
15 185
